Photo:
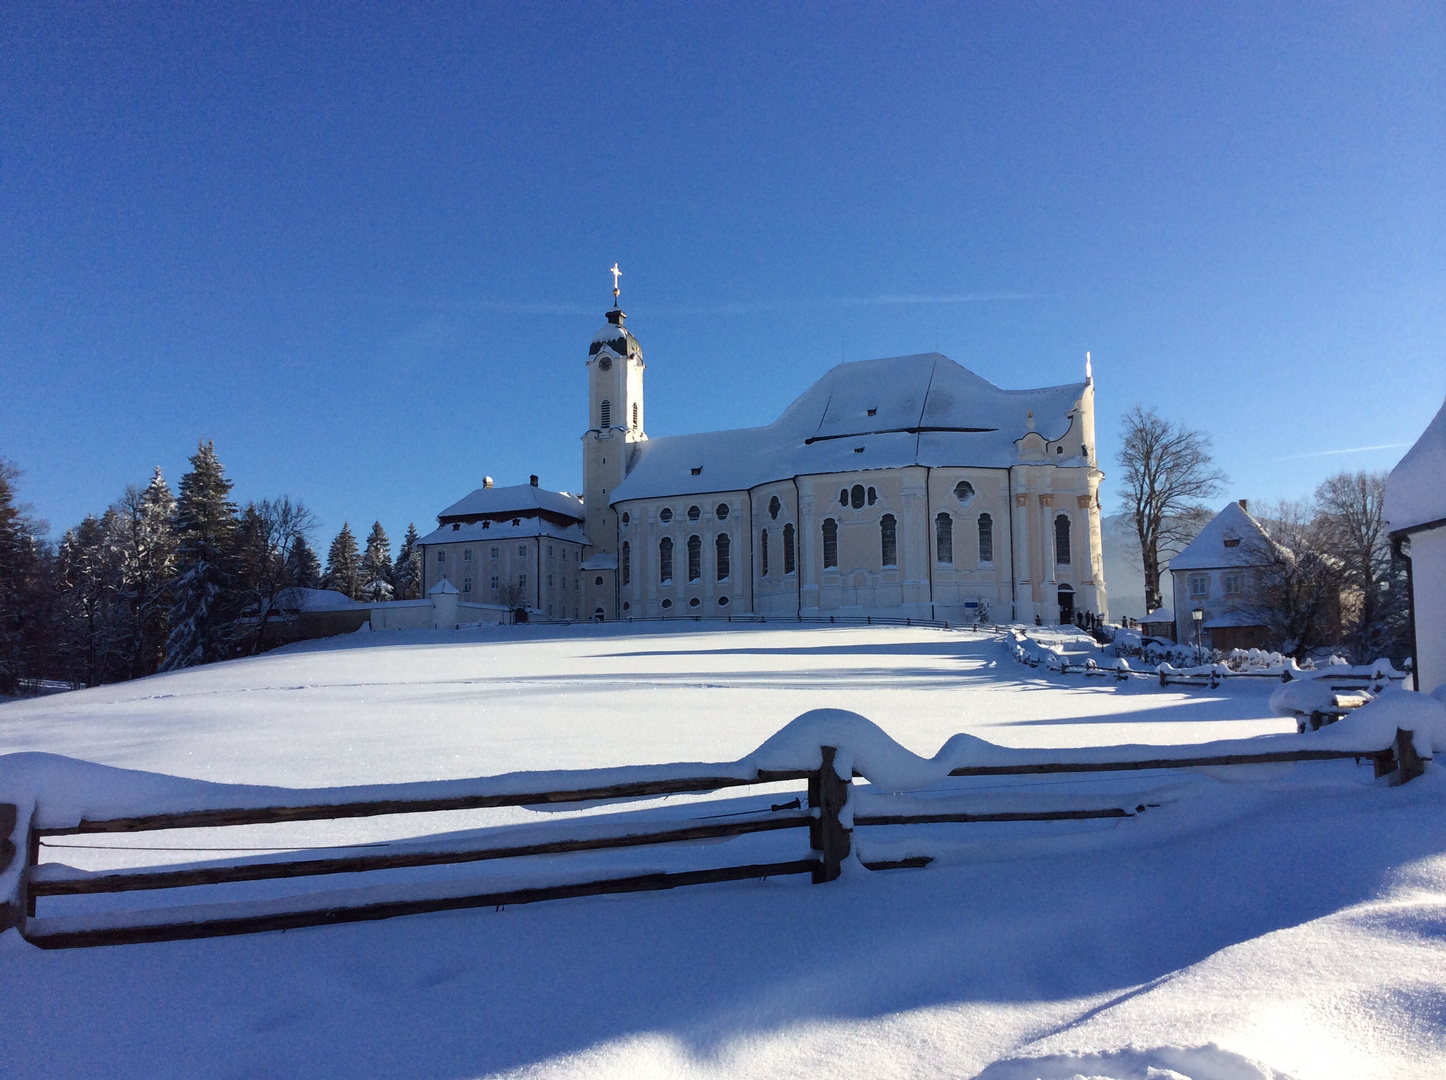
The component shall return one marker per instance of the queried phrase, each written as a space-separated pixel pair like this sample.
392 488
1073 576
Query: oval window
694 513
694 602
667 604
627 518
856 497
665 515
843 497
773 507
722 601
597 580
873 496
722 511
964 491
627 606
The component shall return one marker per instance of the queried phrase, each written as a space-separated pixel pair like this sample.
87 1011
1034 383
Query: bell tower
615 423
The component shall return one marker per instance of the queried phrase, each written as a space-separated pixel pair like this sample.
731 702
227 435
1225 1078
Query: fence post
1409 763
15 907
829 792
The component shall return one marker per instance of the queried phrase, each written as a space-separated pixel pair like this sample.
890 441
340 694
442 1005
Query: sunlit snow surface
1262 922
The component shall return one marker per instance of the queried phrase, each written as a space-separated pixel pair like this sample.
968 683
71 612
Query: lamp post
1197 616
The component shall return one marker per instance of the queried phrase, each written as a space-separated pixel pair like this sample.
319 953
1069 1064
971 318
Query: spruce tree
205 527
144 543
303 567
343 564
407 571
25 593
376 570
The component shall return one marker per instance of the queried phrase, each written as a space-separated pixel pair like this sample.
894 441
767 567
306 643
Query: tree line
165 580
1324 576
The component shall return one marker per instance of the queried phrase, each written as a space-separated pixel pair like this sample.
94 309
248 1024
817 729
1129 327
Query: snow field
1263 922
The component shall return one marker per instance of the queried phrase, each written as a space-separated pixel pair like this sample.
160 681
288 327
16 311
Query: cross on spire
616 274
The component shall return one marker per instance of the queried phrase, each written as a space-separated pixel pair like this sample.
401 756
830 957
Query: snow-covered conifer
343 564
205 526
140 534
303 568
407 570
376 568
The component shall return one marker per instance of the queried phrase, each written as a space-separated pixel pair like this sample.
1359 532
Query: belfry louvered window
605 414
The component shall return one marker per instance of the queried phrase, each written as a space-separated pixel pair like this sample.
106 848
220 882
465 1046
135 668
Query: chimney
1245 505
533 480
487 481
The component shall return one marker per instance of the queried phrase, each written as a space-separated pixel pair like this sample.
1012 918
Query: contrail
1350 450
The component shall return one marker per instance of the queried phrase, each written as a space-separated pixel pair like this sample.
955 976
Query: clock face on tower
605 364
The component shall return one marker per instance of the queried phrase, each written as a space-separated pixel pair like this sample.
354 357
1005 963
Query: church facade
906 486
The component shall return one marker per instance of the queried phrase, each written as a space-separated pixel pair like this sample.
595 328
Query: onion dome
614 337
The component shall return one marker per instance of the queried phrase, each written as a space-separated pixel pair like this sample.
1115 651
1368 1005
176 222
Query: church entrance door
1066 604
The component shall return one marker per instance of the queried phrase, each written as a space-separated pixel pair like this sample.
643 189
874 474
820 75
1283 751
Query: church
903 487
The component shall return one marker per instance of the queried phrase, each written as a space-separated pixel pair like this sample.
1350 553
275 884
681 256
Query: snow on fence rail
56 796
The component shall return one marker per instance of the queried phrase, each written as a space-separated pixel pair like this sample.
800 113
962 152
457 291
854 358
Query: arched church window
873 496
889 540
721 510
635 414
986 538
944 538
694 513
773 507
605 414
763 548
964 492
695 557
627 518
830 543
665 560
856 497
1061 540
665 515
627 563
788 565
724 546
843 497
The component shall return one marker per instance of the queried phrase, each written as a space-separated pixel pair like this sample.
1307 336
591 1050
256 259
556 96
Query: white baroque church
906 487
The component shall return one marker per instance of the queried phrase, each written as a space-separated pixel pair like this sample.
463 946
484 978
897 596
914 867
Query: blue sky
365 249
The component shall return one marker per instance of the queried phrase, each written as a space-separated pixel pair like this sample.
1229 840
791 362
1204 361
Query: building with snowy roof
1220 572
907 486
1415 511
521 546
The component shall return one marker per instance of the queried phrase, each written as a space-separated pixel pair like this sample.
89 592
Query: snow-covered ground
1271 921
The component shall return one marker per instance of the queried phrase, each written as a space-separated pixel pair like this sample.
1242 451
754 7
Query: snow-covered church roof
868 414
520 498
1416 489
1232 538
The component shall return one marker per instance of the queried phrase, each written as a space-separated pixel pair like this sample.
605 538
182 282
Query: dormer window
456 526
697 470
1232 541
873 412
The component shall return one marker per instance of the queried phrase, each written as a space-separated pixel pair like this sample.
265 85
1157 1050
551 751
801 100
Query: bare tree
1168 472
270 534
1297 587
1351 507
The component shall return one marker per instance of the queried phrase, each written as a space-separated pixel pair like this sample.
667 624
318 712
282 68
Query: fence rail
831 815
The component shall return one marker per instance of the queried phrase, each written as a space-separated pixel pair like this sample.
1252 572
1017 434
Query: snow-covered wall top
1416 490
926 410
1212 548
505 530
519 498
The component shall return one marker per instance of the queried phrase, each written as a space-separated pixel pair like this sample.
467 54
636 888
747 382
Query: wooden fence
829 818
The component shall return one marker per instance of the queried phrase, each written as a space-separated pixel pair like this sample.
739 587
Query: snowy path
1294 917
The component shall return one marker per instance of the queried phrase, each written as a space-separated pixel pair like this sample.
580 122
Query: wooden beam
198 819
131 881
1266 758
1015 815
830 794
388 909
